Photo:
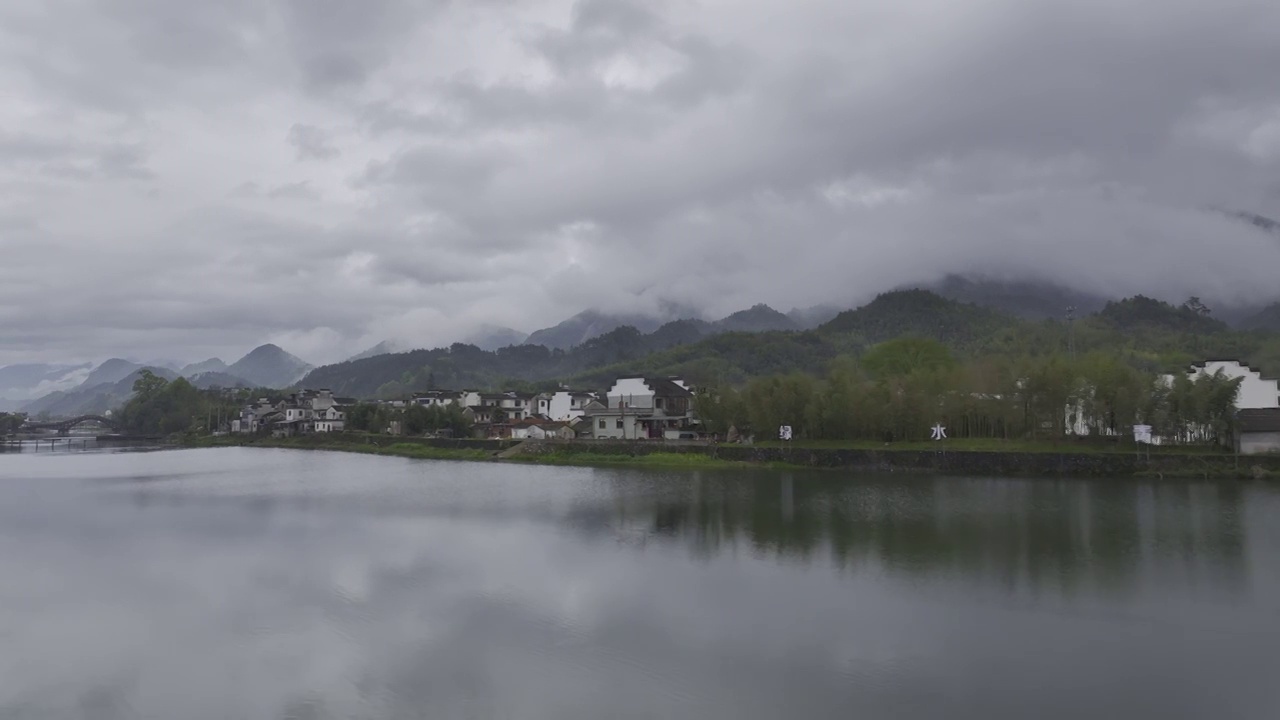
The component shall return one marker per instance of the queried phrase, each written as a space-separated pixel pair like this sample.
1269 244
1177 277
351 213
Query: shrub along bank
1069 462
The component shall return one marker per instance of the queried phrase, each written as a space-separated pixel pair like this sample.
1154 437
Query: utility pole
1071 331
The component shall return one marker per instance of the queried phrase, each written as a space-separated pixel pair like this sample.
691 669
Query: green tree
148 385
10 422
907 355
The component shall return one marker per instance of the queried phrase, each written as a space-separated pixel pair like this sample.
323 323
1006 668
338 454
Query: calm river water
250 583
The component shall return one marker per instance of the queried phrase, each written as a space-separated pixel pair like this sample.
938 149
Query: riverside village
663 409
633 408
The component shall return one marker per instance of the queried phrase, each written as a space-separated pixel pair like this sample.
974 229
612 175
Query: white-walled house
663 396
309 411
436 398
551 431
638 408
331 419
514 405
540 405
616 425
567 405
1256 392
1258 431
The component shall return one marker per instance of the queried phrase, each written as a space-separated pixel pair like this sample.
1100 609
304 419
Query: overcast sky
183 179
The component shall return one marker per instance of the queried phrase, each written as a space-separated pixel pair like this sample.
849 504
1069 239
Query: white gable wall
633 391
564 407
1255 391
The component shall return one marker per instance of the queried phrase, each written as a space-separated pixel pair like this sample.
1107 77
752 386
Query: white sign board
939 432
1142 434
784 432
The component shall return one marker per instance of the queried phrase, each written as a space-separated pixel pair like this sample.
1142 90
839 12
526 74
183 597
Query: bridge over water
65 426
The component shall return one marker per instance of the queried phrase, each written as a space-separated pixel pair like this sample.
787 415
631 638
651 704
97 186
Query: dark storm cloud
513 163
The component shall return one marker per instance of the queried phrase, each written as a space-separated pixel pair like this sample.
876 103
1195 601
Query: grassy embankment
655 459
1081 446
382 446
418 449
1167 462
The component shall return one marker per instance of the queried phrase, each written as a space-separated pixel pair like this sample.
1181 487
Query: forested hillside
1147 335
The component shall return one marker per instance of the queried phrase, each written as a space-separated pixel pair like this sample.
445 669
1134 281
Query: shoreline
1012 462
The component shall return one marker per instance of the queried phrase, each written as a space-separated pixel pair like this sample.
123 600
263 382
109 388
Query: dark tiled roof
1264 420
666 388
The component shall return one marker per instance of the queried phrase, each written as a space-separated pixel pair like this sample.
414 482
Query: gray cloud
513 163
312 142
294 191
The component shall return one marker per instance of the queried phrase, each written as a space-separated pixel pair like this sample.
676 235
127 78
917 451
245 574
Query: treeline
10 422
899 389
163 407
414 419
1150 335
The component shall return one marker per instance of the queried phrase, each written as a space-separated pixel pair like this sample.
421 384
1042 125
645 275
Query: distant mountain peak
386 347
1028 298
586 325
916 312
269 365
204 366
758 318
492 337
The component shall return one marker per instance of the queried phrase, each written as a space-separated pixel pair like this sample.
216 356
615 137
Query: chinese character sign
784 432
1142 434
939 432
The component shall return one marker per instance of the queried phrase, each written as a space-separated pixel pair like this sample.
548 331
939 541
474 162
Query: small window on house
601 424
619 424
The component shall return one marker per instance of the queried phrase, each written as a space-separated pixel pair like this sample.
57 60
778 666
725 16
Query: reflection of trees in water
1024 534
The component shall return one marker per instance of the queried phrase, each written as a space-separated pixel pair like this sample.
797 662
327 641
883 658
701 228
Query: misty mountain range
1027 299
84 388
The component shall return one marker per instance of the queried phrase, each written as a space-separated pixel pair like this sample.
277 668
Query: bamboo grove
899 389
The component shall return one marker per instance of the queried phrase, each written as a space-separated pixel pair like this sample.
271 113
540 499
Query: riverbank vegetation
10 422
162 407
414 419
689 460
365 444
898 390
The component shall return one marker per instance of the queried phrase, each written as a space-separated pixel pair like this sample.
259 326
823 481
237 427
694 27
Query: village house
252 416
638 408
1257 402
519 430
1258 431
302 412
331 419
436 398
1256 392
567 405
540 405
551 430
509 405
479 414
1257 420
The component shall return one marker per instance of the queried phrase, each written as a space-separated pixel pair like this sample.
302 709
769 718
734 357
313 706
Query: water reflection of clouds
343 594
